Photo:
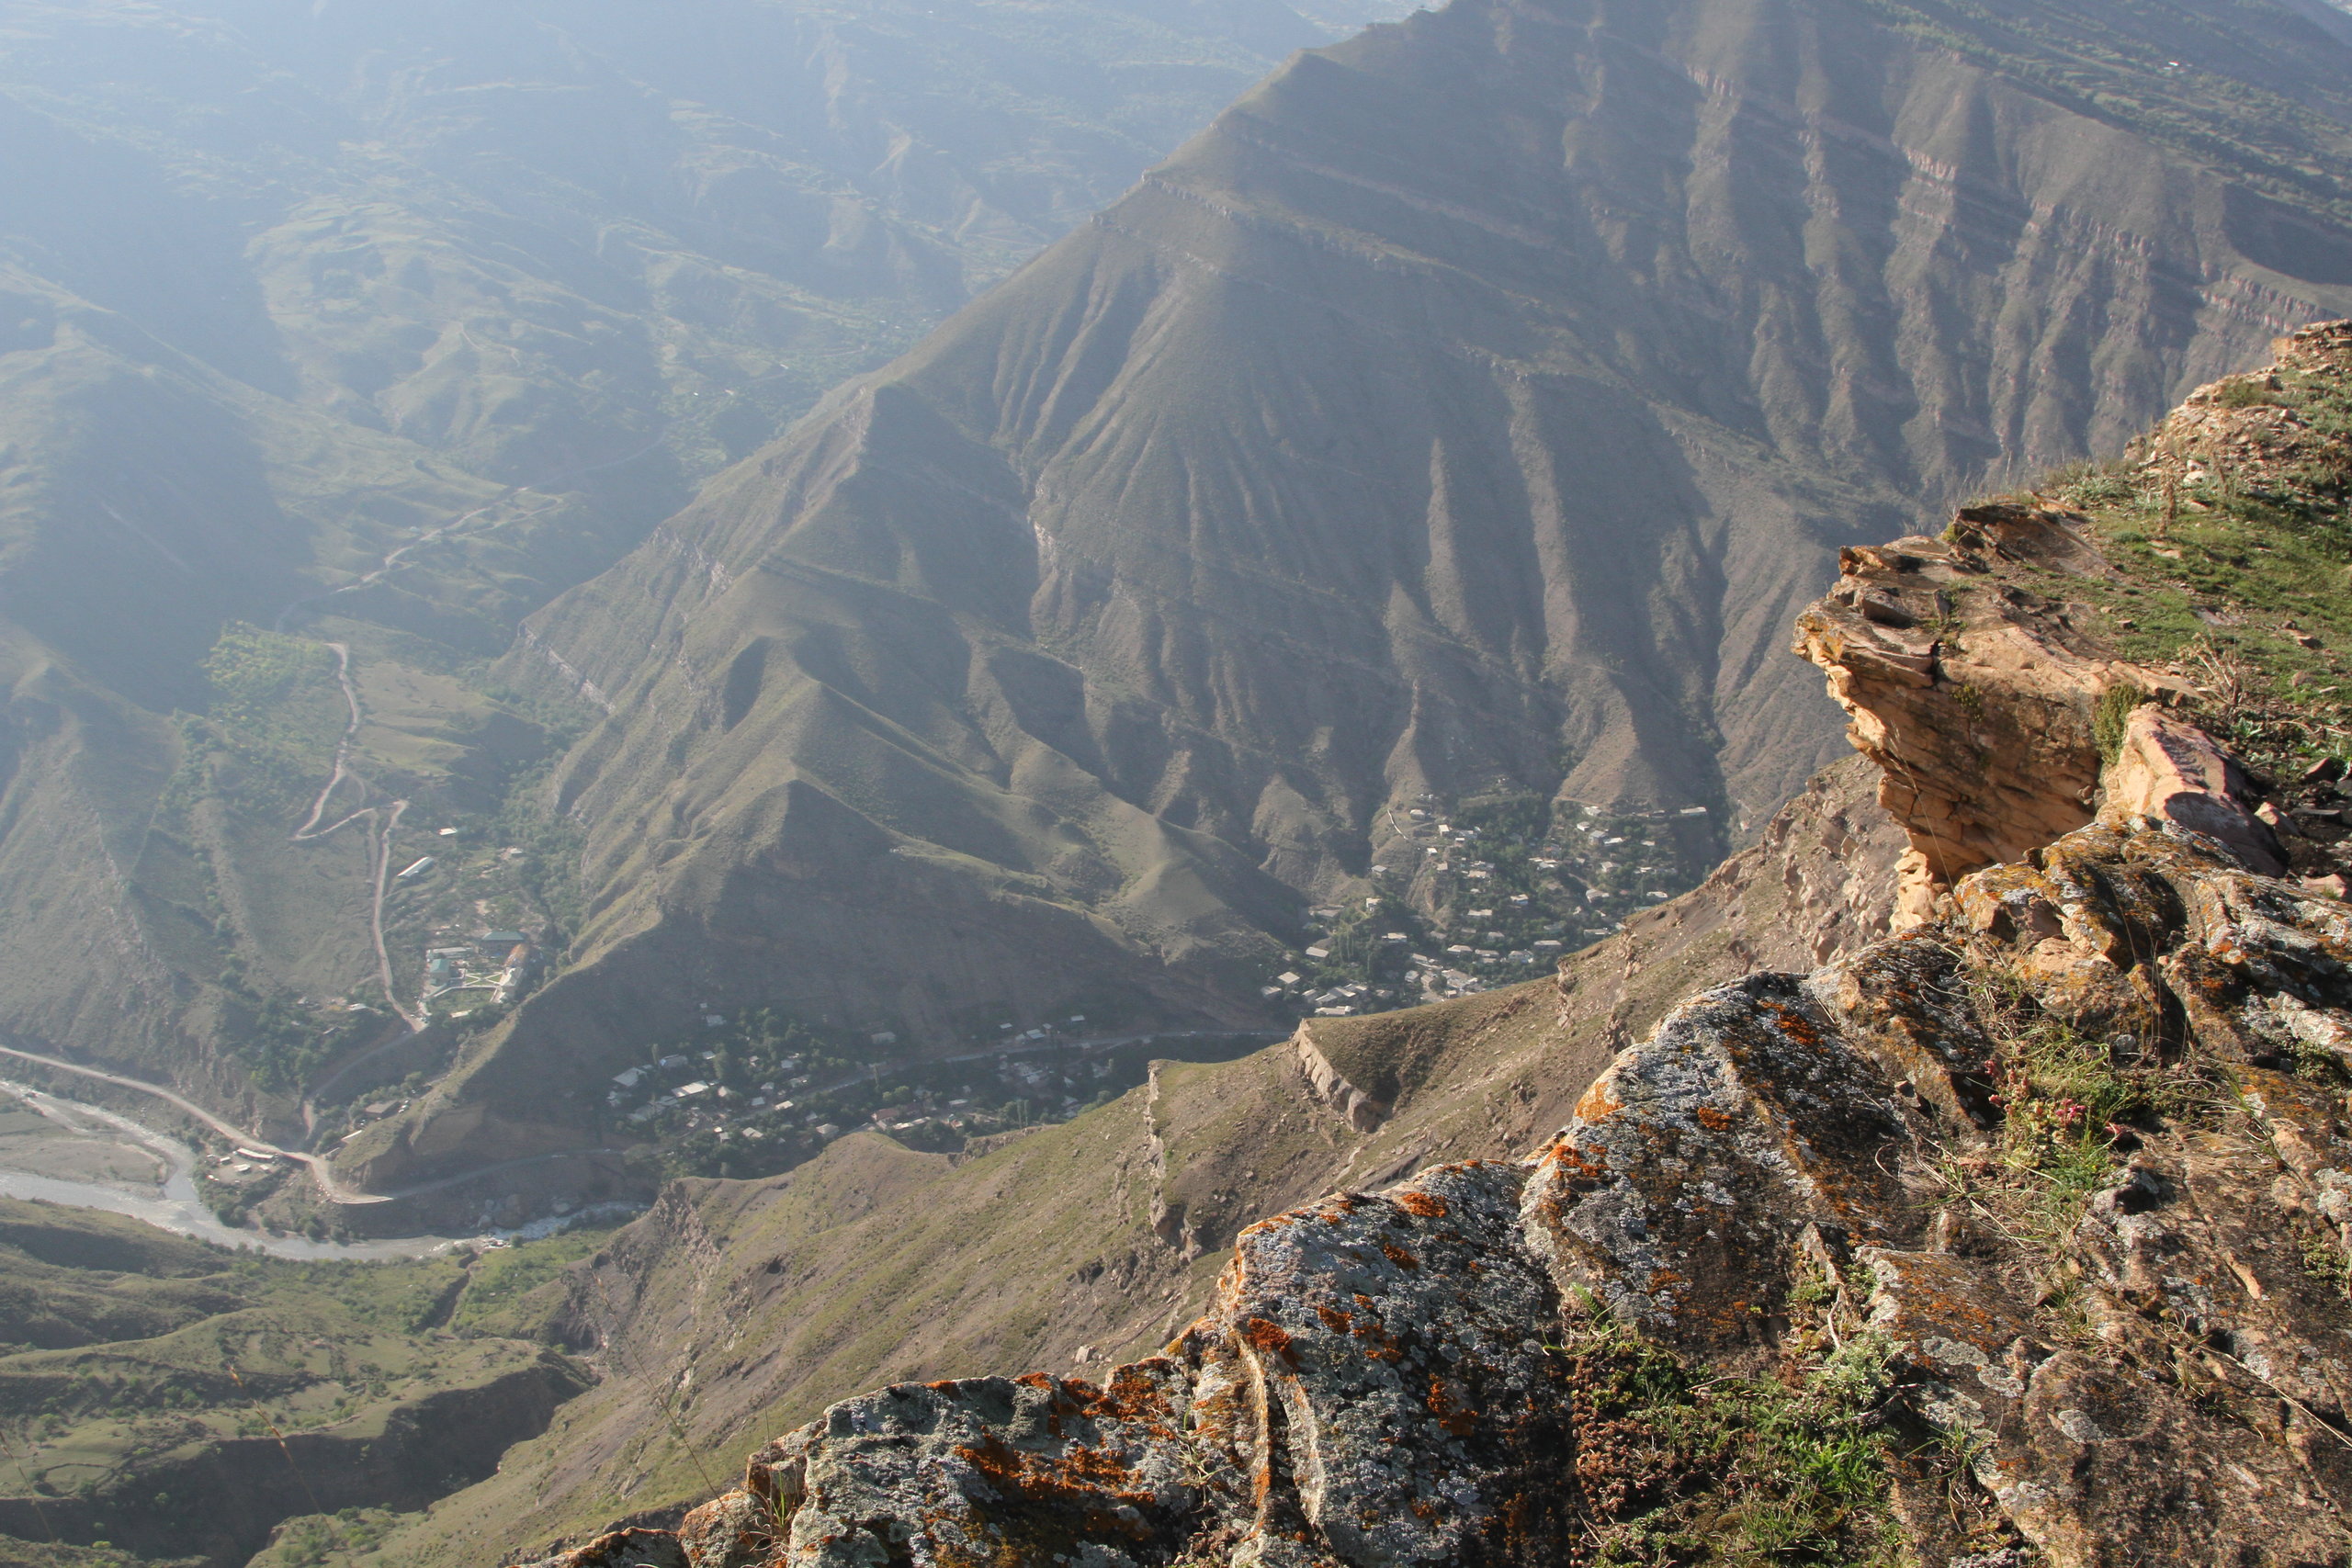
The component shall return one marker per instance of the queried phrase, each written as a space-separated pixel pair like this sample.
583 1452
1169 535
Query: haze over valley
709 704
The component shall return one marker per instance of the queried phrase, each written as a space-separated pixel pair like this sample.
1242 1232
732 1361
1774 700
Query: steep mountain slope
1467 412
2017 1238
1081 1243
378 325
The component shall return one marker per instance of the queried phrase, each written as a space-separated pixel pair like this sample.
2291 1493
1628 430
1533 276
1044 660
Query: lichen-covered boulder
1679 1191
1406 1407
734 1529
988 1469
1373 1384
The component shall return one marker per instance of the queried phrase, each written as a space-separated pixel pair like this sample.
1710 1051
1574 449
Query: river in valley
172 1203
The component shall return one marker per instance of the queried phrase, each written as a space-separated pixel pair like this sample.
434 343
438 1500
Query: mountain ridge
2012 1235
1041 606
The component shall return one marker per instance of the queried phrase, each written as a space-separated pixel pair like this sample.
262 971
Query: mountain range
396 555
1461 418
558 562
376 325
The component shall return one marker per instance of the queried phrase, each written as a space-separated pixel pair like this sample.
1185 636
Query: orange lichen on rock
2152 1373
1267 1338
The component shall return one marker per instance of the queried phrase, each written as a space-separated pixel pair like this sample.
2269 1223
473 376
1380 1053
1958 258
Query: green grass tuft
1683 1465
2109 717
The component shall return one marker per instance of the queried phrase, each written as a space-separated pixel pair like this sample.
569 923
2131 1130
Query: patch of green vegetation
151 1347
2072 1107
327 1540
2322 1258
549 867
1683 1465
2109 717
20 1553
506 1296
274 715
278 1040
2236 573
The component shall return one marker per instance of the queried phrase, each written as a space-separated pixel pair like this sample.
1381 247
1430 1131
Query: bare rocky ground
2014 1236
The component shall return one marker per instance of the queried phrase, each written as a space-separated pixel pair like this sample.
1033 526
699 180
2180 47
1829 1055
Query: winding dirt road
381 820
320 1172
235 1135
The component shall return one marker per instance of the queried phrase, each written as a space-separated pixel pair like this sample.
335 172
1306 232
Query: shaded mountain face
1466 414
380 323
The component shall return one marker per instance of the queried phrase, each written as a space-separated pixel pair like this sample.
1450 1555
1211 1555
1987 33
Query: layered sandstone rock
1972 692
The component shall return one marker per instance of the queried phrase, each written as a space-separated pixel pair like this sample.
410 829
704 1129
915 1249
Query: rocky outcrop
631 1548
2131 1373
1375 1382
1973 669
2238 436
1360 1110
1972 692
2037 1214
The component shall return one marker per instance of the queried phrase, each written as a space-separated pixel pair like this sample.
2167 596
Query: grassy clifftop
2229 530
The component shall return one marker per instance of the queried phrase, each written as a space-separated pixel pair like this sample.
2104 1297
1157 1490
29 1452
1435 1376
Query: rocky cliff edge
2017 1236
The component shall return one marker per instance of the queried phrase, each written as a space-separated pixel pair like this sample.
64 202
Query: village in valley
1484 893
1460 897
1465 896
763 1091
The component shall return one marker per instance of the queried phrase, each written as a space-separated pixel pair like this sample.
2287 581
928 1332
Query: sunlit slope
1468 410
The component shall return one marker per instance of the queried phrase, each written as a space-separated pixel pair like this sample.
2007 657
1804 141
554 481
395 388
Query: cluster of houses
1506 903
678 1100
499 962
243 1167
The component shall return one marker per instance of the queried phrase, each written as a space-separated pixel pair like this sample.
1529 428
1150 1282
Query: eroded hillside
2013 1236
1470 409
